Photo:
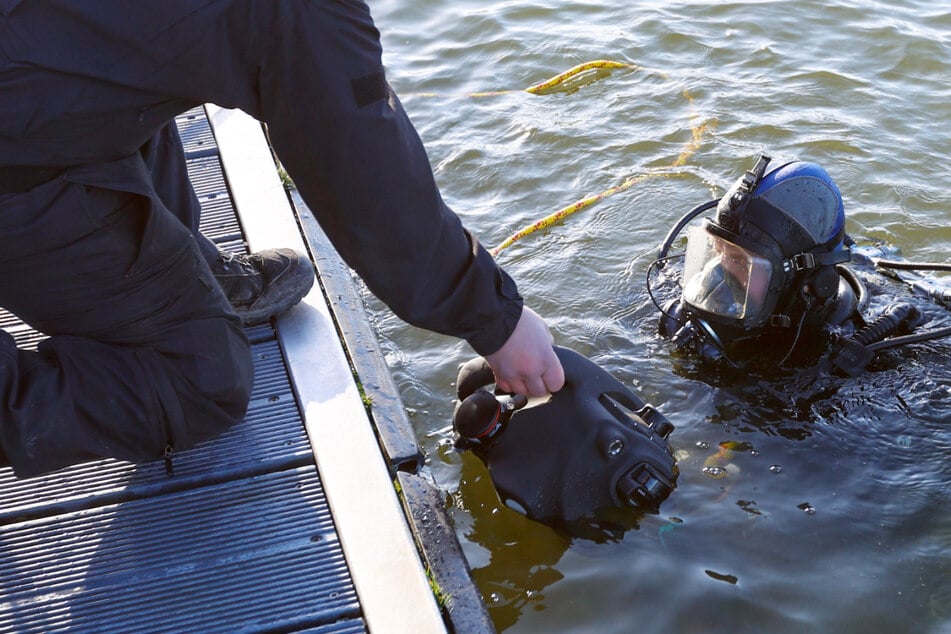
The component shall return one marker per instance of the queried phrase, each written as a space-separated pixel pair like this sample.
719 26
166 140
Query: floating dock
312 515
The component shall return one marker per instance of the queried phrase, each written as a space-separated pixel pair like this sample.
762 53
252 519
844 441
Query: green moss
367 400
442 600
285 177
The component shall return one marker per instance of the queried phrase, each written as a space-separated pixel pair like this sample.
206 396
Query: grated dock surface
239 539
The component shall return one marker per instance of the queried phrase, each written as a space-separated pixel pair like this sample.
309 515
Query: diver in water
764 285
765 281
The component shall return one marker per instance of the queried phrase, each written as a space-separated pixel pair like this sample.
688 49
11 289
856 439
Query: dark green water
835 512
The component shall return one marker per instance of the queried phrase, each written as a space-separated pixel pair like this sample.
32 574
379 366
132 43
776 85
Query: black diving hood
592 454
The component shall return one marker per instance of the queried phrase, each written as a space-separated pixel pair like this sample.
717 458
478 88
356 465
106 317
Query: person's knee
229 381
229 377
214 387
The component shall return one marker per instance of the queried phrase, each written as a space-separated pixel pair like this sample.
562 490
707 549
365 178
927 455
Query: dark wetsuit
98 223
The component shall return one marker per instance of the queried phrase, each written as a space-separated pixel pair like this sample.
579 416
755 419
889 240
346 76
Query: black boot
265 284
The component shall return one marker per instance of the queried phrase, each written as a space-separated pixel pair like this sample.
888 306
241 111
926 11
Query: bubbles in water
776 468
703 444
807 508
715 472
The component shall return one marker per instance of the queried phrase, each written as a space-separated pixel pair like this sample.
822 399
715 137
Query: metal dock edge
359 499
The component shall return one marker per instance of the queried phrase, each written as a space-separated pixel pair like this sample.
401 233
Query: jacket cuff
494 336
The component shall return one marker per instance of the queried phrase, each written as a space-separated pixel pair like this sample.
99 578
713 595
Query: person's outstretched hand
526 363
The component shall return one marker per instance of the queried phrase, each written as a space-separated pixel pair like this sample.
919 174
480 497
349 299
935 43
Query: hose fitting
853 353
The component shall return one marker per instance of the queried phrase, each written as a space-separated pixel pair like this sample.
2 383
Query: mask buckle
780 321
802 261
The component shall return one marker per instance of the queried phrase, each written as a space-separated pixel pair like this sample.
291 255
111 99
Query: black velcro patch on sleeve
369 88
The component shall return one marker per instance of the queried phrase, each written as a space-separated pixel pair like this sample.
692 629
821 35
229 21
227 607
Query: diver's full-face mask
726 281
767 256
592 457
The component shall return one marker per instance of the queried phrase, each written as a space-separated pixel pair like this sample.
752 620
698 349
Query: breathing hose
928 335
885 324
853 353
684 220
912 266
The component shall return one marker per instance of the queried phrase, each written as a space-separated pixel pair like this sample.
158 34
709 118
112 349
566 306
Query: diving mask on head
765 260
593 456
724 279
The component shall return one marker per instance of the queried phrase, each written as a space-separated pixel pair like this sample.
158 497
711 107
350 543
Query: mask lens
724 279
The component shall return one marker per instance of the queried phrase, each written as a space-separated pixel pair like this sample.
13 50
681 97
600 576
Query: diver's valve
853 353
691 334
643 488
482 415
733 204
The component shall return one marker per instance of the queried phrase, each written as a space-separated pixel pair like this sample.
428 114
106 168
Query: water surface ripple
834 514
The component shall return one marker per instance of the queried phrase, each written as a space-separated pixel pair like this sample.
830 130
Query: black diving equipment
771 265
766 262
852 354
584 456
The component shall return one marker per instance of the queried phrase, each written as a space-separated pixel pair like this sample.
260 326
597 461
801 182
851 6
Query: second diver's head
765 262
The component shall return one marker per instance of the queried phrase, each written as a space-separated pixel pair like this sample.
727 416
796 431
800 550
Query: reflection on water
521 555
805 502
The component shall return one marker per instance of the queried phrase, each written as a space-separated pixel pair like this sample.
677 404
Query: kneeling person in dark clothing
99 241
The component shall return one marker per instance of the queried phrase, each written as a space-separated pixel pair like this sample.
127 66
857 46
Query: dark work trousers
144 351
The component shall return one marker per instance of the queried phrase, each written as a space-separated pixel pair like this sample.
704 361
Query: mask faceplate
724 279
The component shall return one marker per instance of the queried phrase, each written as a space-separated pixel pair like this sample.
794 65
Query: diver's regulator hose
911 266
886 323
853 353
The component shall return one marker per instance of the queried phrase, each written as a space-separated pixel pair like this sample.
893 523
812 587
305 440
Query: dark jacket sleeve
361 167
380 206
313 72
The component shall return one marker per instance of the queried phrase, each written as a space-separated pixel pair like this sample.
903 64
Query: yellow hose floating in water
548 84
571 72
564 212
689 149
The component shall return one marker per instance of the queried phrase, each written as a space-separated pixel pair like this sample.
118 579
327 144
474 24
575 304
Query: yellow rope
689 149
571 72
540 88
564 212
